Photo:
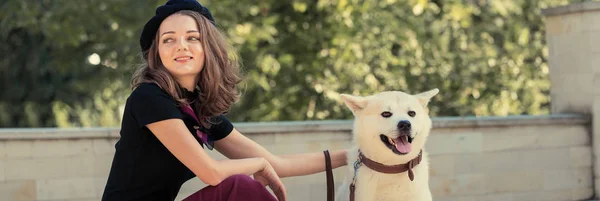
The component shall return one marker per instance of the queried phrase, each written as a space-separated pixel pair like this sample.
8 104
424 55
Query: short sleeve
149 104
221 129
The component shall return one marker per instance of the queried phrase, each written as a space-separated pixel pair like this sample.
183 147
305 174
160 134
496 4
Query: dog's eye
412 113
386 114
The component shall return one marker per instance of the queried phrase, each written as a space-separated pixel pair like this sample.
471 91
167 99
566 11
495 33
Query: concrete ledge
57 133
510 121
571 8
305 126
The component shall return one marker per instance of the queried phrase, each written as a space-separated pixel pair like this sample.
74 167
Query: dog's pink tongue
402 144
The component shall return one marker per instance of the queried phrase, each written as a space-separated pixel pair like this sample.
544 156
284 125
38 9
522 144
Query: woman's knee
236 187
240 178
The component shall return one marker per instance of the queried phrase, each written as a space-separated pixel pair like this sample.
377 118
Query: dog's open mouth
400 145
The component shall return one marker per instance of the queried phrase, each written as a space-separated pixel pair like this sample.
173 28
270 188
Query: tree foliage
69 64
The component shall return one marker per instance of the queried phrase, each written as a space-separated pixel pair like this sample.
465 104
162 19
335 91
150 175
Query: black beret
162 12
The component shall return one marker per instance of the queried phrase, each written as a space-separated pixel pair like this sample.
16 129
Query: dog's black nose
404 125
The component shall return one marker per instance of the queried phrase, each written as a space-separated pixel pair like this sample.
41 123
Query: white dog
390 130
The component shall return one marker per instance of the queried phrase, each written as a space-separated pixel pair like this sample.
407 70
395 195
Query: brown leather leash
329 174
388 169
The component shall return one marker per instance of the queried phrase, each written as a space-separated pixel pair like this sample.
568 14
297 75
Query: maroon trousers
235 188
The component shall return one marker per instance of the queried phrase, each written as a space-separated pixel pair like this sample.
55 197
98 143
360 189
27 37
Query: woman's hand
268 177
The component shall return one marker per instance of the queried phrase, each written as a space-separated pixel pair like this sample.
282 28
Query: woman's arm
178 140
237 146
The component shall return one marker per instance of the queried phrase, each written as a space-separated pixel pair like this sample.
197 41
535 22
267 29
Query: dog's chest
396 192
395 187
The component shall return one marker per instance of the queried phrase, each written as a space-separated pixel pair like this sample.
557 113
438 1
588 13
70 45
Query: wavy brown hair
218 79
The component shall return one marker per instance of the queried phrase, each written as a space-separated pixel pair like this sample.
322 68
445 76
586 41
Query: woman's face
179 46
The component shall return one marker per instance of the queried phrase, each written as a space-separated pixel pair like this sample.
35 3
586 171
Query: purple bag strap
203 136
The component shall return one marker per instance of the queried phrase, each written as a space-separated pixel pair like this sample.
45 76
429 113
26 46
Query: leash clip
357 165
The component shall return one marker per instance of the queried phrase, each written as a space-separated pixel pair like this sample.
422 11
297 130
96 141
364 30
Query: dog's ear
425 97
355 103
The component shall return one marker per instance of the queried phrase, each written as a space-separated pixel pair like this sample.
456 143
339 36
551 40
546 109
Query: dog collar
392 169
388 169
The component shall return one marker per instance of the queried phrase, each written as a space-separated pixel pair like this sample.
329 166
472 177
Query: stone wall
574 57
491 158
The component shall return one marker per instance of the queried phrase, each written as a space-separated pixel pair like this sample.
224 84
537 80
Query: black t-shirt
142 167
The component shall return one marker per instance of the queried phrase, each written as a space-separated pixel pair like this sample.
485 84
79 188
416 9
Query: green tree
69 64
486 57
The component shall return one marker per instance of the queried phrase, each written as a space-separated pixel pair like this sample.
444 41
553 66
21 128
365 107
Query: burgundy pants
235 188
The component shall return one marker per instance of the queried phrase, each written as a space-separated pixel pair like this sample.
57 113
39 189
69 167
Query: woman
176 109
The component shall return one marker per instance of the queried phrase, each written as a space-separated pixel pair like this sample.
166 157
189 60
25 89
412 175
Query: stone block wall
574 61
493 158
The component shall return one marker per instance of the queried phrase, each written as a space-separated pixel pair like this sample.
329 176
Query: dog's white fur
369 124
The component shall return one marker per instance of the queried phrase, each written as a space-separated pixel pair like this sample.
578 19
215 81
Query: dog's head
391 125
